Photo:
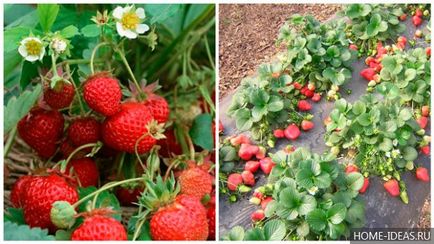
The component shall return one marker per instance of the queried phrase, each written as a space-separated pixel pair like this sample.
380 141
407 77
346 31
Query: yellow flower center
130 20
33 47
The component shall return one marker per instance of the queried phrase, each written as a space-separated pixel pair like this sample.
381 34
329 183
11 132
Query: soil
248 33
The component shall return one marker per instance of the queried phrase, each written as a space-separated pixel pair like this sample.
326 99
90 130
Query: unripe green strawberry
62 214
102 93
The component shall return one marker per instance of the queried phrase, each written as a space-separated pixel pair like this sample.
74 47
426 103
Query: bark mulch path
248 33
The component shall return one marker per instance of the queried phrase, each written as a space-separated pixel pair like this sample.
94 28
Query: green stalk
92 57
127 66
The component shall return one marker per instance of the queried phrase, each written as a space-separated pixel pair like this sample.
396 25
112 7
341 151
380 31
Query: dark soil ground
248 33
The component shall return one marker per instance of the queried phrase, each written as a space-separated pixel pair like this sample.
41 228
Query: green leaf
275 104
336 230
308 203
386 145
17 108
161 12
354 181
254 234
15 215
405 114
14 232
201 132
409 154
317 219
356 214
409 74
63 235
274 230
303 229
336 214
13 36
243 119
236 234
105 199
69 31
228 153
359 108
28 72
91 30
47 15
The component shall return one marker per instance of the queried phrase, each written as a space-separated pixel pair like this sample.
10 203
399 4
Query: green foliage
47 15
18 107
381 134
14 215
407 75
201 131
373 22
313 198
13 231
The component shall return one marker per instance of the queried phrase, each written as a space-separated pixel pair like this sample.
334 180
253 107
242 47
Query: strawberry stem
63 167
130 72
80 102
92 57
105 187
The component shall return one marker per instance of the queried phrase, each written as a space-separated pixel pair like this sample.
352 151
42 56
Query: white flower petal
127 9
142 28
41 56
22 50
130 34
32 58
118 12
120 29
140 13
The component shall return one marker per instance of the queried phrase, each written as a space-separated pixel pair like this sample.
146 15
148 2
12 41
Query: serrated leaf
317 219
274 230
14 232
47 15
236 234
17 108
337 213
201 132
91 30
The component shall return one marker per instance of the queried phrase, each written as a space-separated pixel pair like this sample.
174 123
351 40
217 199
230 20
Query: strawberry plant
371 23
311 198
381 136
91 91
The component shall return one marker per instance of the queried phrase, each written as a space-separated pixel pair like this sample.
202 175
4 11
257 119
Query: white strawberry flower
313 190
32 49
129 21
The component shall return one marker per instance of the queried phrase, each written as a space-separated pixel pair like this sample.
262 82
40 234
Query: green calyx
159 193
63 214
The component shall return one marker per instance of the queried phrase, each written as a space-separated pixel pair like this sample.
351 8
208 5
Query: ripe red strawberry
309 93
316 97
252 166
66 148
234 180
195 182
248 178
59 97
353 47
169 145
221 127
392 187
368 74
122 130
402 40
83 131
266 165
297 85
369 59
422 121
418 12
18 190
158 106
351 168
41 130
211 223
102 93
184 219
425 110
422 174
128 196
258 215
365 185
247 151
425 150
258 194
304 105
292 132
428 51
265 202
307 125
403 17
416 20
278 133
41 192
85 170
100 228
